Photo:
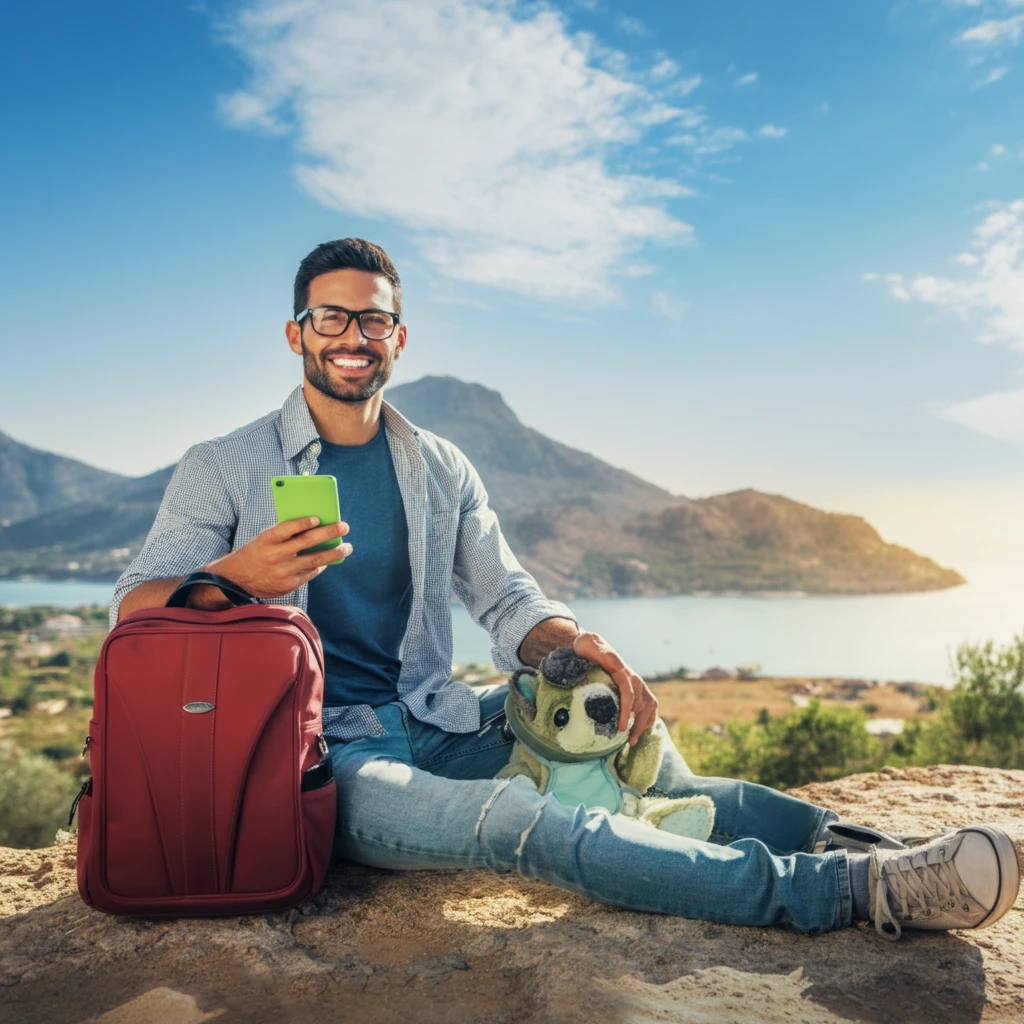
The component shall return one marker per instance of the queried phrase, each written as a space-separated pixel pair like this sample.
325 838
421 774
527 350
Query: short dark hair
343 253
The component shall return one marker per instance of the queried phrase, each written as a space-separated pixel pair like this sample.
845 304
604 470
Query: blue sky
771 244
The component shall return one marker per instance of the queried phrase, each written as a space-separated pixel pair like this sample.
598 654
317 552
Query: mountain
521 468
581 526
93 539
585 528
34 481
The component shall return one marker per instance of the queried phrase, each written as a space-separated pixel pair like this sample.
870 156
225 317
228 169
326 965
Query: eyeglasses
375 324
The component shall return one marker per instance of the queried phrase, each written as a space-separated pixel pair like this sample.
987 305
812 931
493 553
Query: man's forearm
154 594
545 637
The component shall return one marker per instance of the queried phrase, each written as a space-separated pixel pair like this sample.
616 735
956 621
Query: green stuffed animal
565 720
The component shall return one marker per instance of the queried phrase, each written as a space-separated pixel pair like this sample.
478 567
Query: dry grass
703 702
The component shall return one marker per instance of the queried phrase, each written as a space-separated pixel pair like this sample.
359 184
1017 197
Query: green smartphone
296 497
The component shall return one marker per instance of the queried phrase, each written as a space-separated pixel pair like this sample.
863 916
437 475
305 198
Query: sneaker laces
914 885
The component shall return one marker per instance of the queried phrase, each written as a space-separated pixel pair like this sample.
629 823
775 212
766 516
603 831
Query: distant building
52 707
882 727
717 674
66 624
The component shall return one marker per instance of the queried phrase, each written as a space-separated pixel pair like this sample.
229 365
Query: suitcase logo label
197 707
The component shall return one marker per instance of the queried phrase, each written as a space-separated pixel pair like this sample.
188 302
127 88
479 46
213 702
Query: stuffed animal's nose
602 708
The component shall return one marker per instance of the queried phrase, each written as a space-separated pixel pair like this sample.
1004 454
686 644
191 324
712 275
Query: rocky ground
379 947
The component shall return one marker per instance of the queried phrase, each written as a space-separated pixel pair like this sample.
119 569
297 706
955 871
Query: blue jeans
420 797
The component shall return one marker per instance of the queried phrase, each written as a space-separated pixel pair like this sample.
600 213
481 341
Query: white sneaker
967 878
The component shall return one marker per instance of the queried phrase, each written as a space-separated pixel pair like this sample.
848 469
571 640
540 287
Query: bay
63 593
895 637
890 637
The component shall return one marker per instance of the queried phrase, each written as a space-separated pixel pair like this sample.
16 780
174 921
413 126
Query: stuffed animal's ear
523 687
564 668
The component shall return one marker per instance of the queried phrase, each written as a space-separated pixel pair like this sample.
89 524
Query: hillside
35 481
581 526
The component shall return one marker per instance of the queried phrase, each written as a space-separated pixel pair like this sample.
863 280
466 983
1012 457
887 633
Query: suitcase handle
232 591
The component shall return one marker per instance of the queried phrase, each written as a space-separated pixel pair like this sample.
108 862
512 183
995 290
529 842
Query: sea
897 637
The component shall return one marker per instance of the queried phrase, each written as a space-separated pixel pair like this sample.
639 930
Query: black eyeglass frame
352 314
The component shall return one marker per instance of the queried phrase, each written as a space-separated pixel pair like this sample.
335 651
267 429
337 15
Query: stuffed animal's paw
692 817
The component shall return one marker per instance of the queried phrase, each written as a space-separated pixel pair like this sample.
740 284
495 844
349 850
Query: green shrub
24 698
696 744
982 719
979 721
811 744
61 751
35 796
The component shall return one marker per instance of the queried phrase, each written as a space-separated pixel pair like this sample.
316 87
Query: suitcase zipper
86 790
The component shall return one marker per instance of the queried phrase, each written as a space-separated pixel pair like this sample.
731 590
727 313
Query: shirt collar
298 430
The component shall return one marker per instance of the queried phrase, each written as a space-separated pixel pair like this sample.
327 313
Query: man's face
349 367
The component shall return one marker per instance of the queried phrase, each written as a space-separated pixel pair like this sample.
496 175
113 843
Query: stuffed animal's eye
561 717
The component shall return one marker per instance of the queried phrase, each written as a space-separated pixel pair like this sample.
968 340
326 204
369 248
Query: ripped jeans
421 797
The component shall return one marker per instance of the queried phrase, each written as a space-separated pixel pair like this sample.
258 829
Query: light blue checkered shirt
219 498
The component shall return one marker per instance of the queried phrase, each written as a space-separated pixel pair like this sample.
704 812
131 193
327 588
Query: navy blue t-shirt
361 607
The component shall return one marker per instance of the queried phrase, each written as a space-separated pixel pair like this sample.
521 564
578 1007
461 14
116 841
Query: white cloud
869 275
672 308
896 287
982 165
691 117
998 415
993 76
248 109
823 108
748 79
705 139
997 32
500 140
683 86
994 291
996 149
632 26
989 39
710 139
666 68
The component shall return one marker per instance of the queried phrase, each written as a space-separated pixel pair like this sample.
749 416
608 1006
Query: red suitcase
211 788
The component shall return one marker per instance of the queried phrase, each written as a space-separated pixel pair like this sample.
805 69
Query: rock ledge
379 947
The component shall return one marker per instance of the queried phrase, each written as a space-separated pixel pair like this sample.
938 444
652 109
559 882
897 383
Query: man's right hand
270 564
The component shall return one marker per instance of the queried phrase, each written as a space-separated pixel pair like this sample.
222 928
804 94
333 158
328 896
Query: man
414 753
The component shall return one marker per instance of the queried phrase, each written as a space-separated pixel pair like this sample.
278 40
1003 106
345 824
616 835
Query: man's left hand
635 696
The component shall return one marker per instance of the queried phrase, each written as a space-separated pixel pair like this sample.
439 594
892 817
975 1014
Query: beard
317 373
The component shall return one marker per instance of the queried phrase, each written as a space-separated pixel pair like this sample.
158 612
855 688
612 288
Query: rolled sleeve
499 594
195 524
